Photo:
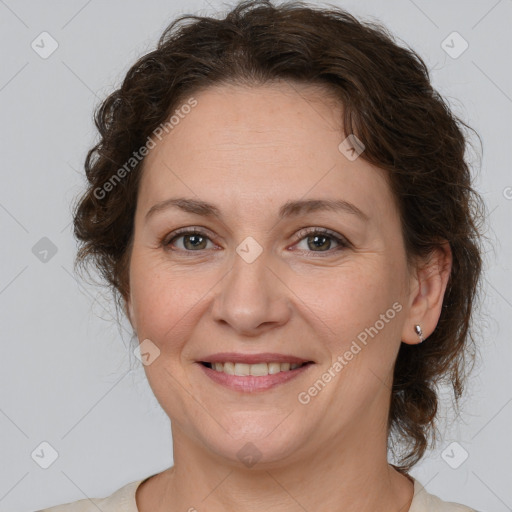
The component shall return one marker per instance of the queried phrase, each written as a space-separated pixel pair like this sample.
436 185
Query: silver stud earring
419 332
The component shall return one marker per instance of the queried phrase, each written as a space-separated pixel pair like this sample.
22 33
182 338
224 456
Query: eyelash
342 242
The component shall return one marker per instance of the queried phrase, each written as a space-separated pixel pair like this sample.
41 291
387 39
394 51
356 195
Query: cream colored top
123 500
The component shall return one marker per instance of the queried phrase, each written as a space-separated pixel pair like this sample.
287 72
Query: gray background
65 367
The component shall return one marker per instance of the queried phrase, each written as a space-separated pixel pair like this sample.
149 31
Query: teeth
259 369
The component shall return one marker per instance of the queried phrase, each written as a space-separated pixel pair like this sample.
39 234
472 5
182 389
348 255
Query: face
327 285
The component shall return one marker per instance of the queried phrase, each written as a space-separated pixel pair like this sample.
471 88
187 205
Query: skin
248 150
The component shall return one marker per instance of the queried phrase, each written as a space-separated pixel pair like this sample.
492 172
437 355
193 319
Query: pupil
316 238
194 239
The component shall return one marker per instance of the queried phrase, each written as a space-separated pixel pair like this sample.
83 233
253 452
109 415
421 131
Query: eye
193 240
321 238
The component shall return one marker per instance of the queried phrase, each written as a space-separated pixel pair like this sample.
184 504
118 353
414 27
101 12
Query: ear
427 289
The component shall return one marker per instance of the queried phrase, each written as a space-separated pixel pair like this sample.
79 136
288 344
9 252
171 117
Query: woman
281 204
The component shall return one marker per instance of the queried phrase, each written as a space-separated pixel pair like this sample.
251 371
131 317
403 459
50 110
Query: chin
257 443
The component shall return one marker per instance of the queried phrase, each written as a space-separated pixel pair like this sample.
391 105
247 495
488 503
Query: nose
252 297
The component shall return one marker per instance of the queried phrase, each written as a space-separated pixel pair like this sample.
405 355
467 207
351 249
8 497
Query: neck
347 476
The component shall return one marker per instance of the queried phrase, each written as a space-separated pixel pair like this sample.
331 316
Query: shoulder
425 502
122 500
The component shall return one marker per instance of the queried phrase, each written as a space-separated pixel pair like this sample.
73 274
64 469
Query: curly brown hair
389 104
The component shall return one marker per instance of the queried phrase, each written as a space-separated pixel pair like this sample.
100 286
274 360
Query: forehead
245 145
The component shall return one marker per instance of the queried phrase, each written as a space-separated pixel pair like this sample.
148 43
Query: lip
266 357
252 383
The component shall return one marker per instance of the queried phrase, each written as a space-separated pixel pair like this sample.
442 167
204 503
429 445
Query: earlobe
427 295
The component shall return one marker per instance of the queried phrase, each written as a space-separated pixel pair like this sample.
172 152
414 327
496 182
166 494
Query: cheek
165 300
158 304
353 300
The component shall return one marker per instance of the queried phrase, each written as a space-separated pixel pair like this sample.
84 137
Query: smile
253 377
257 370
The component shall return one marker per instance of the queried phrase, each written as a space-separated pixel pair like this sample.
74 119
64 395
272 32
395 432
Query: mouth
256 370
251 378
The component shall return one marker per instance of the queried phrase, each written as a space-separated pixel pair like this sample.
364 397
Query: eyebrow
289 209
